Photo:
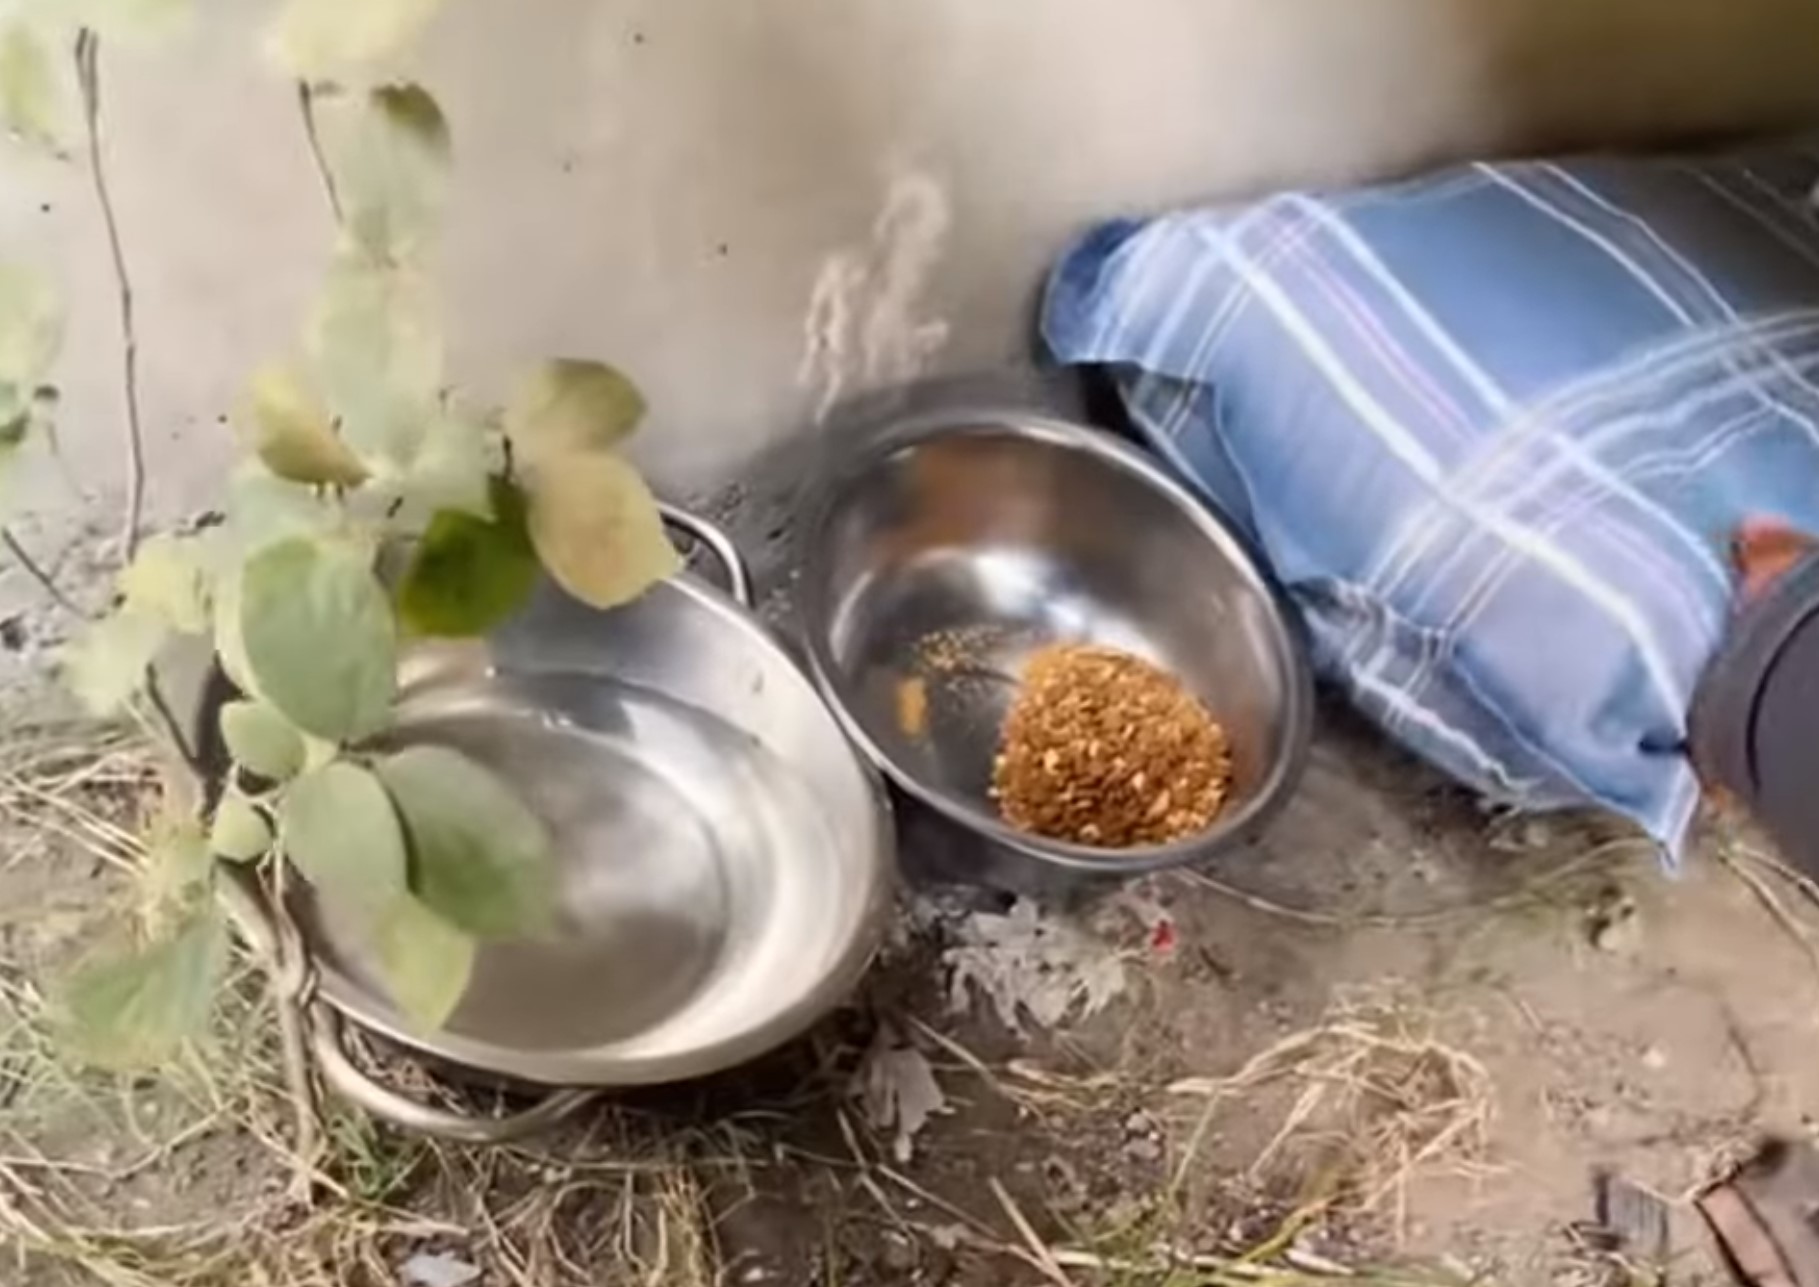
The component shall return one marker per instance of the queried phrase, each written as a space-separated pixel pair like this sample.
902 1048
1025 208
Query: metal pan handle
714 539
270 931
388 1105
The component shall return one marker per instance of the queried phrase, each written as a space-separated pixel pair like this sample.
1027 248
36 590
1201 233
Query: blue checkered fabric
1493 429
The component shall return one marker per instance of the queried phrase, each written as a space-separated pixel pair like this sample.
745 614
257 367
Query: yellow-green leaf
319 639
168 579
240 832
597 529
332 39
375 342
108 663
30 97
31 326
261 740
338 826
467 574
571 405
133 1009
389 152
479 858
425 962
293 433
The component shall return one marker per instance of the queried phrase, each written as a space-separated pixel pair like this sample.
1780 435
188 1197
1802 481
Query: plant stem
35 570
306 107
88 78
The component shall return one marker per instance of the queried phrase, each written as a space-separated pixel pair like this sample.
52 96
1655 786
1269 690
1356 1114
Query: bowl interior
722 855
945 563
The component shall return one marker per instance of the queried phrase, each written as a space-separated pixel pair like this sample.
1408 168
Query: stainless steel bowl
725 858
945 549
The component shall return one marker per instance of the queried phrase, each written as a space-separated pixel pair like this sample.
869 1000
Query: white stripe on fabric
1610 248
1541 550
1493 396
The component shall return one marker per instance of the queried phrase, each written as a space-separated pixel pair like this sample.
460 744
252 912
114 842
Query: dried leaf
1028 963
293 434
467 574
133 1009
31 324
107 664
479 858
571 406
389 151
168 580
899 1093
261 740
319 638
597 529
332 39
426 962
338 826
375 342
31 100
240 832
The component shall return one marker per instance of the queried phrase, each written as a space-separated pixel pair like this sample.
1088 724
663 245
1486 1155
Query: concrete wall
692 187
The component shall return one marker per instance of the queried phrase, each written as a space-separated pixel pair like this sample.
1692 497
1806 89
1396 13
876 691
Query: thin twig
1775 907
88 77
1044 1258
306 107
1441 915
35 570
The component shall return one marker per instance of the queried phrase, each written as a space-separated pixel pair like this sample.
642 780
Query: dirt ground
1398 1042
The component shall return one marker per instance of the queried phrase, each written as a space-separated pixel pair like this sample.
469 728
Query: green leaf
168 580
30 99
230 647
320 641
261 740
467 574
597 529
107 664
338 826
133 1009
389 151
454 468
376 345
292 432
178 863
568 406
478 856
263 509
426 963
240 832
31 326
333 39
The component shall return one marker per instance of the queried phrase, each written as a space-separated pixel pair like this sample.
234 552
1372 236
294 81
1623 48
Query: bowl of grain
1070 667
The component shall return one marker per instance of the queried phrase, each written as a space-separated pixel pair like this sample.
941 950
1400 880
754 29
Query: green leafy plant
373 509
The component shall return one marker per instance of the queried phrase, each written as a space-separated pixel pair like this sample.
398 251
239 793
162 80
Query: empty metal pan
725 857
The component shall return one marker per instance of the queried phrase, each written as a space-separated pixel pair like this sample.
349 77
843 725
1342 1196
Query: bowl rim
839 473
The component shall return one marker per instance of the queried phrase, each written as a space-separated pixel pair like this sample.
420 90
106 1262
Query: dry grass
1374 1098
187 1180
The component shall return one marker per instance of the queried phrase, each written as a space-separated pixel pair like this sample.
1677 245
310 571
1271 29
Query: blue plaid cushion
1493 429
